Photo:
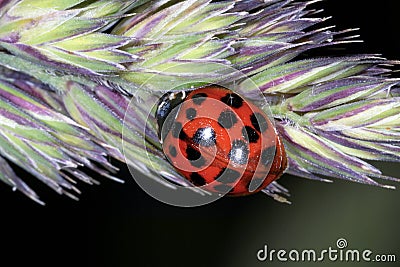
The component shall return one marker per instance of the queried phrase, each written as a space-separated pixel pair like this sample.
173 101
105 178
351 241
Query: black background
120 225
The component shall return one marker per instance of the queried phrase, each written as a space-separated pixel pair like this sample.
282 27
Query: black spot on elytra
204 137
227 176
223 188
176 129
232 100
259 122
239 152
195 157
172 151
267 155
191 113
227 119
197 179
250 134
199 98
178 132
254 184
183 135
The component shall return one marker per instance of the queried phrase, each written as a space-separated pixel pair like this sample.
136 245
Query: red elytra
217 139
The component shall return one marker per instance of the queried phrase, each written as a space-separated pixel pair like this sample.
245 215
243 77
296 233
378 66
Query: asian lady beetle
217 139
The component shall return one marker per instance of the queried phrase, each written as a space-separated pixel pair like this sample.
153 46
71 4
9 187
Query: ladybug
219 140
